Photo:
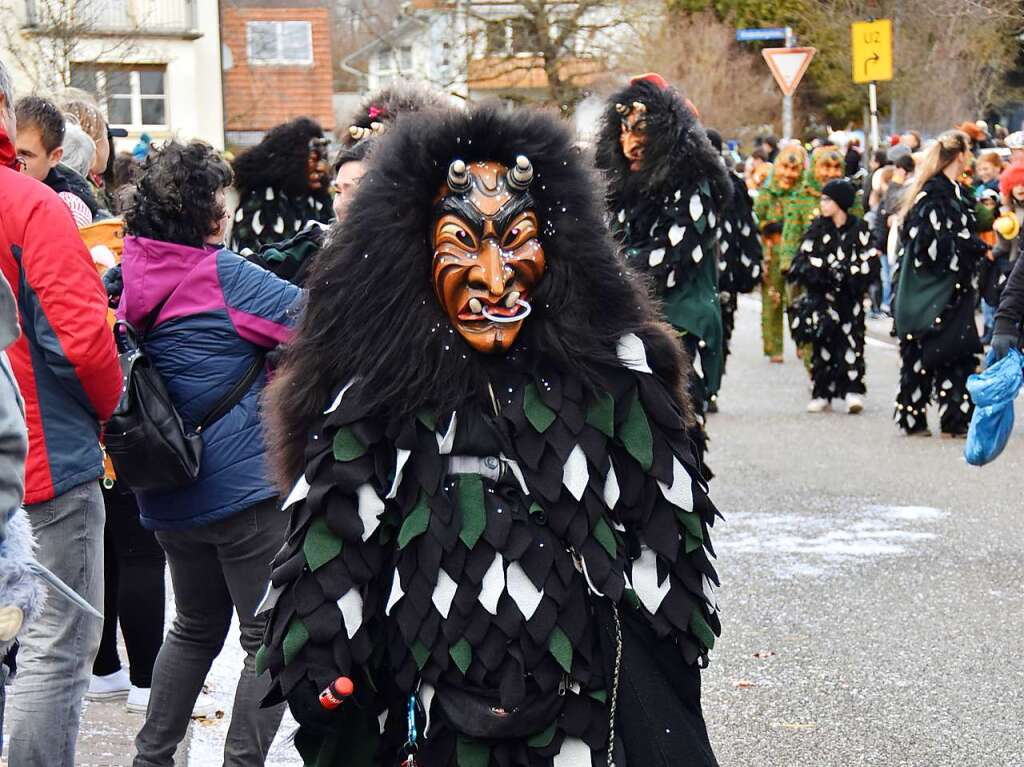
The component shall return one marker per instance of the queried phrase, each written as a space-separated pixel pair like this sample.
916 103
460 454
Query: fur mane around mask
371 313
279 160
677 152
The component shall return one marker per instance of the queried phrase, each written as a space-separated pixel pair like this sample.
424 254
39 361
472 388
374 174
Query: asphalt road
872 598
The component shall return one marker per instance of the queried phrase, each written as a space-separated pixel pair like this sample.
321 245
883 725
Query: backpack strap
233 397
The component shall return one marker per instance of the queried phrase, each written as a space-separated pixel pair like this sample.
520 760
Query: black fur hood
677 153
386 104
371 313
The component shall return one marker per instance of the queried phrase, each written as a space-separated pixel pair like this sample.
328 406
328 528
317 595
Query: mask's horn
622 109
520 176
358 133
639 106
377 127
458 177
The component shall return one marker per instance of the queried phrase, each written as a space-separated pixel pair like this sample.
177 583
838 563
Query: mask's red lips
499 308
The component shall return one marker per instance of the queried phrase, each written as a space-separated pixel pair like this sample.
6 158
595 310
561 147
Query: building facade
277 65
146 62
480 50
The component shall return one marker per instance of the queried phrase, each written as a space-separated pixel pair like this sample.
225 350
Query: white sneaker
138 700
109 686
817 405
854 404
206 708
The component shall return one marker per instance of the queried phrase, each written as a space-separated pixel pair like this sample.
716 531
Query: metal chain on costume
615 686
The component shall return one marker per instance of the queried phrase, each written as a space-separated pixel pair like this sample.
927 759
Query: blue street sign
772 33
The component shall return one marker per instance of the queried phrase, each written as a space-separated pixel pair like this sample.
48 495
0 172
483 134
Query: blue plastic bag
993 392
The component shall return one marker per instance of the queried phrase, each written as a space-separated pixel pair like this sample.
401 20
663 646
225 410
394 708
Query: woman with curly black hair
208 317
282 185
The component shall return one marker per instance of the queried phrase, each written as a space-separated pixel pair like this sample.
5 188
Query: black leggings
133 591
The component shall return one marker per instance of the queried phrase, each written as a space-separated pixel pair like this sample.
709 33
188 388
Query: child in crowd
834 266
986 173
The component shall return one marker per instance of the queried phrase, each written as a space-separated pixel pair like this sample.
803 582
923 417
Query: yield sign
788 65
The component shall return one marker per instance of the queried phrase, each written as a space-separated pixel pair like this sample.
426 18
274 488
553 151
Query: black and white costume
834 266
935 302
739 257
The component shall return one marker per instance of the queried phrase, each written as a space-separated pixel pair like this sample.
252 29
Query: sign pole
873 101
787 99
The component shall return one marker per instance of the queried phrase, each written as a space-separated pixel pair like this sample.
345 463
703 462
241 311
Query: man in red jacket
66 366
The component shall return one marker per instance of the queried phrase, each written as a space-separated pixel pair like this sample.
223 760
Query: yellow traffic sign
872 50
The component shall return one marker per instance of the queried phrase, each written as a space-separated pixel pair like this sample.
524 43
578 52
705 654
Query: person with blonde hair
935 296
78 106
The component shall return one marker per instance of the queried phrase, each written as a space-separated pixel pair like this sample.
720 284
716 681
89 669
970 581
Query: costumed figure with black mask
282 185
935 296
770 211
833 268
499 548
667 189
739 252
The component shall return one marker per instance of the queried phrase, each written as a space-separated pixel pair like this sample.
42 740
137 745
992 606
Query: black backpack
145 438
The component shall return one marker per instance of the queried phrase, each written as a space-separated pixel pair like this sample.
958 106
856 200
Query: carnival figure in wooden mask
789 166
487 258
827 164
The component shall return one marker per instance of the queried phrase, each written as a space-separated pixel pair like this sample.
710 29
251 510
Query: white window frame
278 61
136 97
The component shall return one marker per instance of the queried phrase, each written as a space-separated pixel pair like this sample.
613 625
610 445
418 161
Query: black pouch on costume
477 713
956 337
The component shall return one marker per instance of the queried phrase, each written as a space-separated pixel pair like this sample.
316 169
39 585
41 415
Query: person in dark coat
208 316
1006 332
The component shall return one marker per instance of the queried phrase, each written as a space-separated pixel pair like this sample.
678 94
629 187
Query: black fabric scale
439 525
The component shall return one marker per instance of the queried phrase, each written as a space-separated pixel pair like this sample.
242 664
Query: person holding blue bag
994 390
1006 330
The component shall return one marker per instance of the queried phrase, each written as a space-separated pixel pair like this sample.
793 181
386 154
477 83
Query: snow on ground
816 543
207 737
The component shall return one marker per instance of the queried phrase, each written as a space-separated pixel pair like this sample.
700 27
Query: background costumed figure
282 185
770 210
667 188
935 296
833 268
498 512
739 253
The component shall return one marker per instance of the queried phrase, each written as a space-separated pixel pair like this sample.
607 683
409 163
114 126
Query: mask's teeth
510 300
475 306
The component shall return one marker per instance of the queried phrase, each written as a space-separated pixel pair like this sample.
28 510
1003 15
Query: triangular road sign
788 65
